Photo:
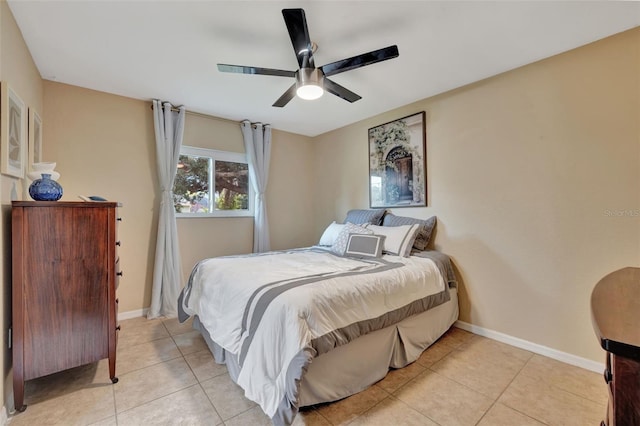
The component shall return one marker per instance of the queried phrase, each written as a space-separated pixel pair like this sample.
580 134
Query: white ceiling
169 49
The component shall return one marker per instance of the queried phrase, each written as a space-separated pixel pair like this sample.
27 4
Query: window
212 183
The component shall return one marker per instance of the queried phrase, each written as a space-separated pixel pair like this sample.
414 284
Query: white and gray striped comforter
269 309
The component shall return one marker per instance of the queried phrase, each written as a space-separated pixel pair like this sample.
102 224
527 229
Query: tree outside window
212 183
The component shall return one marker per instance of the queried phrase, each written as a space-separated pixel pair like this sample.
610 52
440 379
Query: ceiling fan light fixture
309 82
309 92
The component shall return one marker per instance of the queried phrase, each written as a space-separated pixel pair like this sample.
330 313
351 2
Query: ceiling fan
311 82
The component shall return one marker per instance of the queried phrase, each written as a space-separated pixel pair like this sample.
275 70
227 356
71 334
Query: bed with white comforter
271 314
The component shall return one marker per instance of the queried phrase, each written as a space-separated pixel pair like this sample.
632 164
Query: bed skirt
353 367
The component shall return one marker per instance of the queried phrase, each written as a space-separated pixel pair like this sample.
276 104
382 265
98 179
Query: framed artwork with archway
397 163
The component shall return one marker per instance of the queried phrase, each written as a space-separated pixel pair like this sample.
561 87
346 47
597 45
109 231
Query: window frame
216 155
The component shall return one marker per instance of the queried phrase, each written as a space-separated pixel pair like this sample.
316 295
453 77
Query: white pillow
398 239
340 244
330 234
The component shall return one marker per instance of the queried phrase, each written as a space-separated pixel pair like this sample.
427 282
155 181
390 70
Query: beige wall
19 71
523 169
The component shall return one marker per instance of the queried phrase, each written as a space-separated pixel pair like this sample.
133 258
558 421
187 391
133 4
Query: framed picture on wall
35 137
397 163
13 132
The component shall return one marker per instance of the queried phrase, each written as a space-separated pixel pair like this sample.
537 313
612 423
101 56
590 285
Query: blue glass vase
45 189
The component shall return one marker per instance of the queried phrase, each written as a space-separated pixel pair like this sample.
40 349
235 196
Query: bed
305 326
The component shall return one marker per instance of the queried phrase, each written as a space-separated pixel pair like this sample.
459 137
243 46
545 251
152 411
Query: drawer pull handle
117 301
118 328
607 376
119 273
117 243
119 219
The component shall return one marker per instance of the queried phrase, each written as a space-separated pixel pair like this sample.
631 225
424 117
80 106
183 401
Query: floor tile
253 417
139 322
256 417
140 330
67 381
455 337
175 327
494 351
147 384
478 372
500 415
343 411
443 400
190 406
537 398
203 365
392 411
309 417
227 397
576 380
81 407
434 353
190 342
135 357
109 421
396 378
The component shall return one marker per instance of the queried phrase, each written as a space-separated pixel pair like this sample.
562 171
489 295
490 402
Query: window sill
212 215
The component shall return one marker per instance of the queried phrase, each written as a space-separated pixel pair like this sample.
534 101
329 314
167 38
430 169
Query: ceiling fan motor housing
309 83
313 76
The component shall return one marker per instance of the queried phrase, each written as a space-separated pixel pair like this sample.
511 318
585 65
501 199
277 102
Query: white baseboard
585 363
133 314
4 416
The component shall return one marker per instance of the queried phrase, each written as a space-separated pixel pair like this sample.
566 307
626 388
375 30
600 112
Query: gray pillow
424 233
340 244
372 216
362 246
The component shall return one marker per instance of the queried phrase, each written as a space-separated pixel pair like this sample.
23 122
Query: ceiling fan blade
286 97
340 91
241 69
299 34
368 58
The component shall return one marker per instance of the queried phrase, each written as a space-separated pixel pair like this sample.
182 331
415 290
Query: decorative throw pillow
373 216
398 239
424 233
340 244
330 234
363 245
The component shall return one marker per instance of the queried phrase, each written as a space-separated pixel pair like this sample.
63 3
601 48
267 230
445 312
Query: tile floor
168 377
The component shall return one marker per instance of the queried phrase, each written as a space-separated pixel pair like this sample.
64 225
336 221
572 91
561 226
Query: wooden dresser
615 311
64 273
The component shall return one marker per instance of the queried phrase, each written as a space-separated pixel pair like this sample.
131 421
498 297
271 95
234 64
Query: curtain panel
167 271
257 144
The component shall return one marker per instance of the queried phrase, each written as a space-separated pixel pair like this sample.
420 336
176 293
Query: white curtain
257 144
167 271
